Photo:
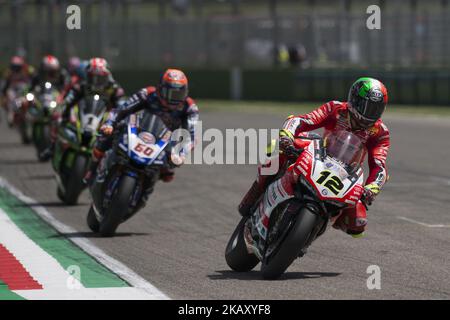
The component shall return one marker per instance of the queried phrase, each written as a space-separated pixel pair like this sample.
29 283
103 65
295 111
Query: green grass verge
6 294
286 108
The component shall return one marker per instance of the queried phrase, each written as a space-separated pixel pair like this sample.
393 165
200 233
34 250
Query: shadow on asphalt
89 234
50 204
256 275
12 144
42 177
9 162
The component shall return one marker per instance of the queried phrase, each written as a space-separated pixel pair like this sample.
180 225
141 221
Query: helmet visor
98 82
367 109
174 96
16 67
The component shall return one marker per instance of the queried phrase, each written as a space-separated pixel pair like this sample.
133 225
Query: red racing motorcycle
326 178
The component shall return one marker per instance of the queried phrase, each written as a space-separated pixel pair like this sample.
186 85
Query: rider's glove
288 148
107 129
369 193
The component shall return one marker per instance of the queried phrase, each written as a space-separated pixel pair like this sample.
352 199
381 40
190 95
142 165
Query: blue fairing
131 174
138 159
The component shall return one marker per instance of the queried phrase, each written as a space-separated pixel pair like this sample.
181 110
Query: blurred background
282 50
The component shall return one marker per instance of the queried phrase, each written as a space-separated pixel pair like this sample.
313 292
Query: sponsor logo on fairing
147 137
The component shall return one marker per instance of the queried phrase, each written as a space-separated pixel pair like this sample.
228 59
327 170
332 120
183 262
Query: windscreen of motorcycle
91 111
345 147
48 99
153 124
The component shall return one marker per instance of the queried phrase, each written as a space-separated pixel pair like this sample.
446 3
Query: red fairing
303 166
333 116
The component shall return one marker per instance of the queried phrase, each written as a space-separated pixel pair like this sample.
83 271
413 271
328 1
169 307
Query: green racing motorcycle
74 144
41 105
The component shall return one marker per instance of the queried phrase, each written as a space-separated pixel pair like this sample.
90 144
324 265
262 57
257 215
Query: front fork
103 191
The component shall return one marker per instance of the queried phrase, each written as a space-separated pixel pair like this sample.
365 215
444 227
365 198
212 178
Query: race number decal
331 182
142 148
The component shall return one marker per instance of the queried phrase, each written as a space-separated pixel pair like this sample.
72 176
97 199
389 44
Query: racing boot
166 174
260 184
352 220
250 198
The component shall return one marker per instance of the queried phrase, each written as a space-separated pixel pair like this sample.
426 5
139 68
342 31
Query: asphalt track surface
177 242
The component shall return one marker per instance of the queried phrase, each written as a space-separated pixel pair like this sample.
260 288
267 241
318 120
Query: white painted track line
425 224
40 265
147 290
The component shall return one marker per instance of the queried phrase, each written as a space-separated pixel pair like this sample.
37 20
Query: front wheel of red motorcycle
289 249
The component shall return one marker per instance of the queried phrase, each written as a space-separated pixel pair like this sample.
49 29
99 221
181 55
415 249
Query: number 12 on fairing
331 182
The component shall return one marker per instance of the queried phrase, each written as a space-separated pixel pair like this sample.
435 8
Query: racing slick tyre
289 249
236 253
92 221
24 134
119 206
75 183
43 144
60 193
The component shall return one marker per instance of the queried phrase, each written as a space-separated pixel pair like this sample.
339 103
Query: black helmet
367 101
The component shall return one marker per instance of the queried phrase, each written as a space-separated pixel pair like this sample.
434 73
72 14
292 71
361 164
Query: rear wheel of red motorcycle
289 249
236 253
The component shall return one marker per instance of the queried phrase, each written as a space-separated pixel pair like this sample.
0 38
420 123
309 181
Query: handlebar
315 137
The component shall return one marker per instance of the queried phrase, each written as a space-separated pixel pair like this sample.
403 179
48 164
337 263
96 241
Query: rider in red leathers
361 115
50 70
99 80
19 72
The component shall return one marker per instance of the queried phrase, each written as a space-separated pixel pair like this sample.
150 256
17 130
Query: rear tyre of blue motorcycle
236 254
75 183
92 221
289 249
119 206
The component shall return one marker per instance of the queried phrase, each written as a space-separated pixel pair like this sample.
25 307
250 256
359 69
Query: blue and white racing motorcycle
128 172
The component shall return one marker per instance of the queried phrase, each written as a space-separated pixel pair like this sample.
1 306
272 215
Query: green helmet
367 101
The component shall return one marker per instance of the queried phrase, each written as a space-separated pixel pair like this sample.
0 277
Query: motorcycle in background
128 172
74 145
16 111
328 178
41 105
